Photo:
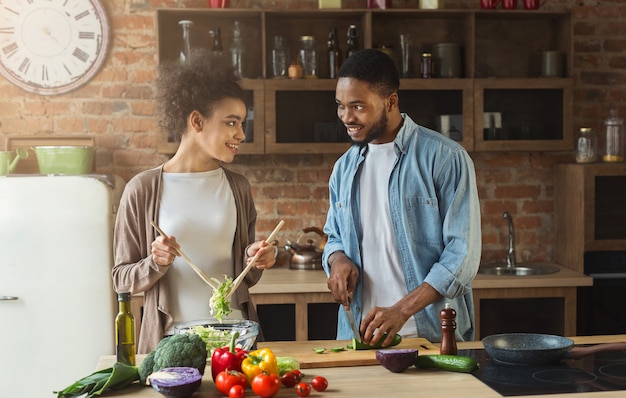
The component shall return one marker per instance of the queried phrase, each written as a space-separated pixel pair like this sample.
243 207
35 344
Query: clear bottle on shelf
613 138
353 37
125 331
308 57
186 47
217 41
334 54
586 145
237 51
280 58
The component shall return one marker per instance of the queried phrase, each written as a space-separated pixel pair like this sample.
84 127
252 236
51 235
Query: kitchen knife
355 329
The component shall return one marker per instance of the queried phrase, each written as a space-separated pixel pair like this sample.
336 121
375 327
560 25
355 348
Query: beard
376 131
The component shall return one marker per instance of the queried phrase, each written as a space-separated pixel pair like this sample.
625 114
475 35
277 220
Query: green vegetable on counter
357 345
453 363
115 378
337 349
319 350
287 364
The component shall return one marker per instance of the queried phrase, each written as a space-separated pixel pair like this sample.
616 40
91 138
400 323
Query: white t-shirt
383 279
199 210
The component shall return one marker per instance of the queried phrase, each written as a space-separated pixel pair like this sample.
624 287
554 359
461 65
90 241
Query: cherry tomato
319 383
265 385
236 391
303 389
290 379
226 379
298 372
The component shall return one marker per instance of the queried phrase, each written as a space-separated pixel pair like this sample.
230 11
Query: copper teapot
306 253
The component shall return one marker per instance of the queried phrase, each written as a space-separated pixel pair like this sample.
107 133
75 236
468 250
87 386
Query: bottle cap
123 296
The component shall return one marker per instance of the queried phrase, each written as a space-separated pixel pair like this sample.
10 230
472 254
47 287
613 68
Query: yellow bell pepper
259 361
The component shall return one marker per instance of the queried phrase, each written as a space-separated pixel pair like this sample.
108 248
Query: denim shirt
435 214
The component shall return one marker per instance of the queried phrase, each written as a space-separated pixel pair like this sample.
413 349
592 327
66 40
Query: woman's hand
164 250
266 251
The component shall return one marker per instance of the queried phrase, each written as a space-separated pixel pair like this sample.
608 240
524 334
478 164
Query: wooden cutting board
308 358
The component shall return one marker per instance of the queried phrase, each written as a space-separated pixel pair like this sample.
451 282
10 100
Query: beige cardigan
135 271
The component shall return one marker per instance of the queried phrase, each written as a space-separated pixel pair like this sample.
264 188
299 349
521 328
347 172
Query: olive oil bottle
125 331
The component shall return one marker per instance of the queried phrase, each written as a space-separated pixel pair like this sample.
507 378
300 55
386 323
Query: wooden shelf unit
501 53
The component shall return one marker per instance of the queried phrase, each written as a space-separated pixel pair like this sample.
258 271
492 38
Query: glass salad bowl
218 334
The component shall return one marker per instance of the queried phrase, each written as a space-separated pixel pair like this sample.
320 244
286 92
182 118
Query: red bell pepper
227 358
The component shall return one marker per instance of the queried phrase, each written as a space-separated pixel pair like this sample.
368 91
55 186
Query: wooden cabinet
499 102
589 211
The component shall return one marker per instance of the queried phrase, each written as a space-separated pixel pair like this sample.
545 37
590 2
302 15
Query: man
404 220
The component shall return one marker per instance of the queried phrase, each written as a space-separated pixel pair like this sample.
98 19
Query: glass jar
613 150
308 56
279 58
186 47
586 145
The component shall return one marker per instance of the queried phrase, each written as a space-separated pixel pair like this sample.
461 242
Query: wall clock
51 47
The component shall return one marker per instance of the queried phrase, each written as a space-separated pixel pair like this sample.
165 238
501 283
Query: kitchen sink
522 269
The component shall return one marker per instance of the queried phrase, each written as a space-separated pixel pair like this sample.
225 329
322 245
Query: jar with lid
308 56
613 149
586 145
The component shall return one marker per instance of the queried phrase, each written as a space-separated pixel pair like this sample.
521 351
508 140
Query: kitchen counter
374 380
281 285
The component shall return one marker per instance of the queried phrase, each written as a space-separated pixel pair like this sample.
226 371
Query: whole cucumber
452 363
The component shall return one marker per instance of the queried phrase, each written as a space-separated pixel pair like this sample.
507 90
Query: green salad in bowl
217 334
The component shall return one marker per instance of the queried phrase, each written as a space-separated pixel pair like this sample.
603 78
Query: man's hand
381 320
343 277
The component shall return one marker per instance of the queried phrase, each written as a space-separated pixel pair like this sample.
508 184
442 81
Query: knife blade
355 329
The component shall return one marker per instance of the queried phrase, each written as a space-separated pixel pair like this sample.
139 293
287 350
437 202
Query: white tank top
199 210
383 279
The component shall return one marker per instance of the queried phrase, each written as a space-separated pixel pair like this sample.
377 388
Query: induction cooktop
598 372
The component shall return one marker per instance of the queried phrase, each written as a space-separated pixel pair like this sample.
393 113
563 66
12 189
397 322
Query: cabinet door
523 114
205 23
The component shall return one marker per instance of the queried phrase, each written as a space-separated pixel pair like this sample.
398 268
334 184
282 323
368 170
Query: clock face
52 46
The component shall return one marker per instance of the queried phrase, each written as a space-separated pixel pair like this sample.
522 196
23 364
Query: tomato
290 379
303 389
265 385
297 372
226 379
236 391
319 383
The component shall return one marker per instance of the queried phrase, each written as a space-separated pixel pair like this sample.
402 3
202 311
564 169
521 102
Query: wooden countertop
285 280
375 381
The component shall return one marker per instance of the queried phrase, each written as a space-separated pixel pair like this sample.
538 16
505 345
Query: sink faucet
510 256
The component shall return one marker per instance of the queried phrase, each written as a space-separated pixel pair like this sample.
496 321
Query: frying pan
539 349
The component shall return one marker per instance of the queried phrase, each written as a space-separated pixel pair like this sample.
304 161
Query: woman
208 210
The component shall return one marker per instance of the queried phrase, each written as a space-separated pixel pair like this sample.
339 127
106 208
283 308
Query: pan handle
580 352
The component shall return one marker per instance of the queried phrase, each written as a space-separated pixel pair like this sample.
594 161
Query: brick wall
117 110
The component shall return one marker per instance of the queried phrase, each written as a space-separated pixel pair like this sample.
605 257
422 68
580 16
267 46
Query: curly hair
372 66
198 84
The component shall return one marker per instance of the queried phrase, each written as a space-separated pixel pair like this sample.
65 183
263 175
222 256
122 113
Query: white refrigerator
57 305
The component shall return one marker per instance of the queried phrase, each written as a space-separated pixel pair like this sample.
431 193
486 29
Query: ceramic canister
447 60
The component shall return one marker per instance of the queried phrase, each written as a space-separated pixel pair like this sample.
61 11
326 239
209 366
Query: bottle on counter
308 57
125 331
586 145
217 41
448 328
186 47
334 54
613 138
237 51
279 58
353 36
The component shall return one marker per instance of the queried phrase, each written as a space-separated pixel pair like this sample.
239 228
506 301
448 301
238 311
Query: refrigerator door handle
7 298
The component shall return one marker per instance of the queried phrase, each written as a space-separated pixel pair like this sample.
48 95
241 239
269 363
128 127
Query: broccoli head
186 350
146 366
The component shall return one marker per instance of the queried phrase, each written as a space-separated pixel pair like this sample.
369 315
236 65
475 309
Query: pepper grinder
448 327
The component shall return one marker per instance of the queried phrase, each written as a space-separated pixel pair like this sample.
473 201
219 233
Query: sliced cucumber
452 363
357 345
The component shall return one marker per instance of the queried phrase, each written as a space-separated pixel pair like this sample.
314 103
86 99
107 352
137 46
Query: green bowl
66 160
